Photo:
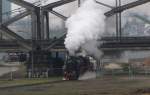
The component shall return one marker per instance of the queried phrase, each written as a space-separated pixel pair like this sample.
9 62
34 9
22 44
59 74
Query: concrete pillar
0 11
42 25
47 25
36 24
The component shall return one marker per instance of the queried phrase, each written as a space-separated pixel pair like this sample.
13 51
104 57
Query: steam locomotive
76 66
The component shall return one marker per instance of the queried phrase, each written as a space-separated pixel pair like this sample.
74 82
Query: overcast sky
72 6
68 9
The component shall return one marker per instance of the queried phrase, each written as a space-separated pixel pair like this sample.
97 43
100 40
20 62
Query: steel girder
59 15
106 5
35 15
24 4
9 33
55 42
56 4
49 8
16 18
35 11
125 7
142 18
6 31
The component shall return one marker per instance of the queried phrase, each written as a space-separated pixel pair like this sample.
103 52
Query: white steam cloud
88 75
85 27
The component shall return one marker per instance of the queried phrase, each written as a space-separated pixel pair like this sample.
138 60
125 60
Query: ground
99 86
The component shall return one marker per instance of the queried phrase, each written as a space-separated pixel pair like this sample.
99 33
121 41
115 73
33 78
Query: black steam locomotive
76 66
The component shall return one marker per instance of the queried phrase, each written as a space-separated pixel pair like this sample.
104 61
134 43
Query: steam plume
85 27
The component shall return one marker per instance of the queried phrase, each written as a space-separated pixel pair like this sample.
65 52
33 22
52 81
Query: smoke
90 48
88 75
85 27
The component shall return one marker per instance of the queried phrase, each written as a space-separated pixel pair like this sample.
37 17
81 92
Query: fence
19 71
130 72
11 73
